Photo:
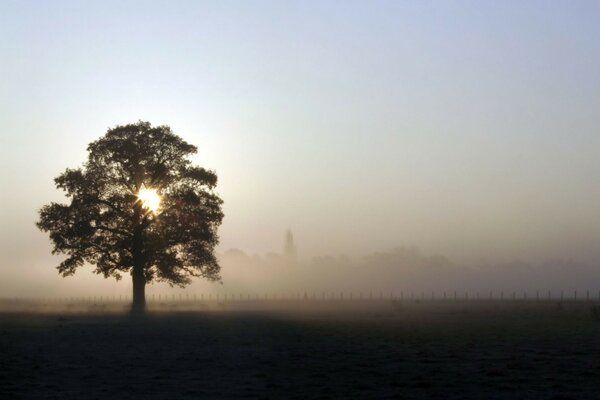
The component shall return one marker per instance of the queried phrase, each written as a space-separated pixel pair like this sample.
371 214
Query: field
299 350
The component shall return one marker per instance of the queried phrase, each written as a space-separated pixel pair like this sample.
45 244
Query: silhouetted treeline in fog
402 269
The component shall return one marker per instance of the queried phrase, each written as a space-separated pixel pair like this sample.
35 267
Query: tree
137 205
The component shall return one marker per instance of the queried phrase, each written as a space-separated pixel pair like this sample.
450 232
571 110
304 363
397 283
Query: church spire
289 248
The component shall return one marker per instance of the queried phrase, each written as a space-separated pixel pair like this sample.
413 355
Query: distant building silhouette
289 248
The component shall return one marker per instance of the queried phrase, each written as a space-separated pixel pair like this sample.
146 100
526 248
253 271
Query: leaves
100 223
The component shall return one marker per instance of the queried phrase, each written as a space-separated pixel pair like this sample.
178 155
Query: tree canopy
106 224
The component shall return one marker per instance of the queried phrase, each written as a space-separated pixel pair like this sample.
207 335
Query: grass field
375 350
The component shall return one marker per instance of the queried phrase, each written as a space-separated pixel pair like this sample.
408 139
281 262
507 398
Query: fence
422 296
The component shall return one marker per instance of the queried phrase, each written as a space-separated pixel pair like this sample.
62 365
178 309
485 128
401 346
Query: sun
149 198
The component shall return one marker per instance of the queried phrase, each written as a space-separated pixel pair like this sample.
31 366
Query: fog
404 272
401 271
466 130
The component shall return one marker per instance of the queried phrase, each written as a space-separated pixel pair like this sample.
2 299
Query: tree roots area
404 351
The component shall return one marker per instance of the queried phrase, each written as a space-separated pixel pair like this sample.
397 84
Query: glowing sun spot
149 198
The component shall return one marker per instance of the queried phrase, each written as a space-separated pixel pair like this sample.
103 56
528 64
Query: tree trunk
138 305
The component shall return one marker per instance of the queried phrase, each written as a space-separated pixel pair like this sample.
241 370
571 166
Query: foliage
105 225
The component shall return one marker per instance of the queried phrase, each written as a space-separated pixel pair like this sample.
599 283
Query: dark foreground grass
407 352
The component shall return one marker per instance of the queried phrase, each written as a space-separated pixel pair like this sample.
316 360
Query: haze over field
466 129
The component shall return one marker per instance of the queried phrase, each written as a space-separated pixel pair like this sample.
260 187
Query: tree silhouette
137 205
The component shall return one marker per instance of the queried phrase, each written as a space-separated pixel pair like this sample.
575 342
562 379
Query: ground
389 350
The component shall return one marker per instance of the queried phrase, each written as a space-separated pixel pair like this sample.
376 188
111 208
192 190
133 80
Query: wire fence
422 296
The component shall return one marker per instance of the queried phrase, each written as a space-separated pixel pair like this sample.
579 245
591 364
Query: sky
464 128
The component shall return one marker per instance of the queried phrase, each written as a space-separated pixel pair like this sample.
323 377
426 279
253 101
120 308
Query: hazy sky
469 129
